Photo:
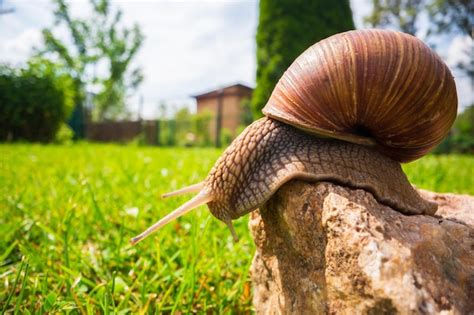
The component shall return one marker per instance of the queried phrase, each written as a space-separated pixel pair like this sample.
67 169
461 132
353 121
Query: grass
67 213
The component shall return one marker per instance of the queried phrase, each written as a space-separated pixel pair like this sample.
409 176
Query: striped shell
373 87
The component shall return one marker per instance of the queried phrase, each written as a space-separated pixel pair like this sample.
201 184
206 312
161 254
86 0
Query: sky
190 47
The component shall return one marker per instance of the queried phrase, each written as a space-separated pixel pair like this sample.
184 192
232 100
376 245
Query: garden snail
348 110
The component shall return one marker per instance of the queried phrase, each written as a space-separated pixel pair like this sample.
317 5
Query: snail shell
373 87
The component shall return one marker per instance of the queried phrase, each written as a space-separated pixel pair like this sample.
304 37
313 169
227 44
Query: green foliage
202 125
226 137
34 101
70 210
64 135
286 28
184 127
241 129
246 112
461 137
446 16
99 39
187 129
452 16
401 14
168 132
455 17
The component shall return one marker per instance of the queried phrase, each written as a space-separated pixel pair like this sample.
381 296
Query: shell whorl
373 87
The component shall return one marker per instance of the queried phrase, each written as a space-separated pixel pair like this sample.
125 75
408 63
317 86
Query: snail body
348 110
270 153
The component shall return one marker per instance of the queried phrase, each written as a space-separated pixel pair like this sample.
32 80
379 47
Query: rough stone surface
326 249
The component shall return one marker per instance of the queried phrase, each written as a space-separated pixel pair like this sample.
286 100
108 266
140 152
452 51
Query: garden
69 206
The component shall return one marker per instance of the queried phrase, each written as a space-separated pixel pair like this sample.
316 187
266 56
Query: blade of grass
67 224
7 251
97 210
23 285
13 288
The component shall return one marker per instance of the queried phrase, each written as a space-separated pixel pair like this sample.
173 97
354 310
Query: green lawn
67 213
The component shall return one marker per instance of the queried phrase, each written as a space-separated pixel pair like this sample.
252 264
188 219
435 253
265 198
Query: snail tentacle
200 199
188 189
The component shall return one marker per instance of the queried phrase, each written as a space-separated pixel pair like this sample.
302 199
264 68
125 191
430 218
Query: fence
192 131
123 131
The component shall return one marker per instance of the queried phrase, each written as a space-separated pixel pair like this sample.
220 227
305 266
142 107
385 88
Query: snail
348 110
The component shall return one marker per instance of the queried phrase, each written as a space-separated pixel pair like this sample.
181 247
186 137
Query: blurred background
188 73
106 105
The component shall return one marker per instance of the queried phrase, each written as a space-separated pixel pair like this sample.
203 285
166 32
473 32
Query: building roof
228 90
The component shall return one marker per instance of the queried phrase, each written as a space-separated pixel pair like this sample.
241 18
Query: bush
461 136
167 132
64 135
226 137
34 101
202 125
184 125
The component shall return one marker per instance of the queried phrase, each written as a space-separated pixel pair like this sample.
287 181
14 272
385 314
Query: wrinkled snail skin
348 110
269 153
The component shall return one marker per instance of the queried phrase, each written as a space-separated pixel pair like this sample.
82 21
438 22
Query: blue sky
190 46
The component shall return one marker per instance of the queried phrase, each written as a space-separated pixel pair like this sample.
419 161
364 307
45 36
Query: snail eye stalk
192 188
201 198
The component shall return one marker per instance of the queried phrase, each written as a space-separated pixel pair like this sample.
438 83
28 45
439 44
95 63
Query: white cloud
16 48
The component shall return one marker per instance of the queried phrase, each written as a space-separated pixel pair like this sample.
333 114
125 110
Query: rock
326 249
451 206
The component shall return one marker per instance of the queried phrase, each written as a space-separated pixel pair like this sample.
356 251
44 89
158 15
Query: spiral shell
373 87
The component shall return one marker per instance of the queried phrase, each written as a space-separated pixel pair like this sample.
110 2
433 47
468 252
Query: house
226 104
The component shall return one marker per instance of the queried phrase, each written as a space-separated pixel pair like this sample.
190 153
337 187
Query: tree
286 28
402 14
448 17
97 40
452 16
